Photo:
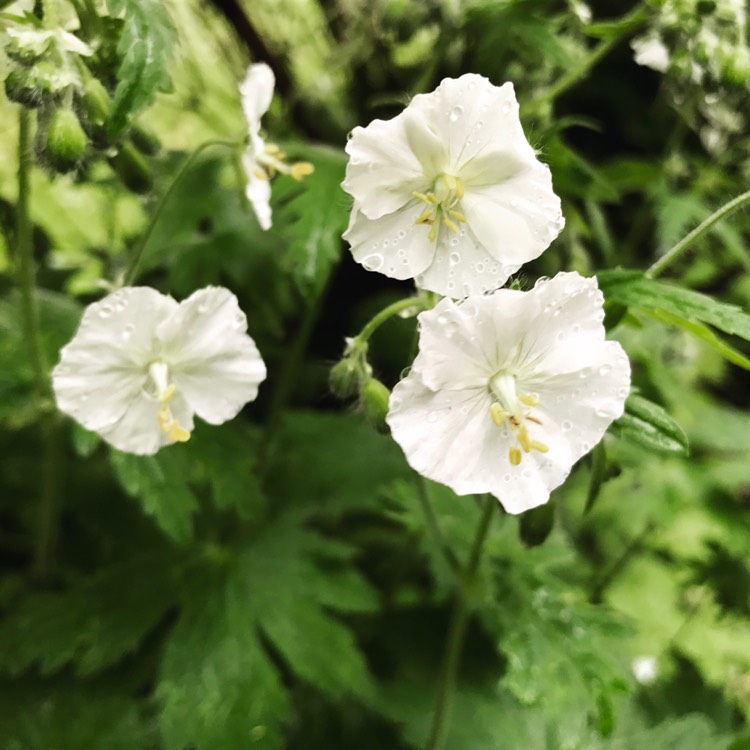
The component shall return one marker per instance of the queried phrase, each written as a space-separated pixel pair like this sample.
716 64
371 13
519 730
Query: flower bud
132 169
374 399
96 105
66 141
145 140
344 377
20 88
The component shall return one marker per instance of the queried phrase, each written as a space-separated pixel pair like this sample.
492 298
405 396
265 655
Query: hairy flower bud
20 88
344 378
66 141
374 399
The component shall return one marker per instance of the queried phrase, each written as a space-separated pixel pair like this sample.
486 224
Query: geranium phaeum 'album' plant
141 365
449 192
261 160
510 389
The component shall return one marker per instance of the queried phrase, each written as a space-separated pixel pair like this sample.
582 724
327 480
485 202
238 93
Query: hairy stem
183 170
409 303
671 255
432 522
457 630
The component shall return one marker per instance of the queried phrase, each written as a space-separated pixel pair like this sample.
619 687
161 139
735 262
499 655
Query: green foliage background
273 583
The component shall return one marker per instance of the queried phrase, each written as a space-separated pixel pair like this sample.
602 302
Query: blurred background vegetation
272 583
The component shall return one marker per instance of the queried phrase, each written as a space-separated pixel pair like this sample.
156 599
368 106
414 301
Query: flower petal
394 244
257 190
462 266
256 92
383 171
104 367
138 430
214 364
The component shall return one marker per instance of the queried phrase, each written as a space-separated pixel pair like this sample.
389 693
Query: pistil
164 391
441 201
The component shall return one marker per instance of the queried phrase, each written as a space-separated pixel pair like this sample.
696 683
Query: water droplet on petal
432 417
454 258
566 426
605 369
373 262
456 112
127 332
105 311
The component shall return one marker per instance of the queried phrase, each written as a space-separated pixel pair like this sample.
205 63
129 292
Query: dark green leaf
650 425
160 483
145 49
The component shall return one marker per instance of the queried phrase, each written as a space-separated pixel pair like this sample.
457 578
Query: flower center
271 160
441 202
164 391
515 411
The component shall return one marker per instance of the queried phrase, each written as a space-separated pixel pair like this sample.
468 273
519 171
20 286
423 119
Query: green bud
145 140
96 105
374 398
736 66
344 377
132 169
20 88
66 141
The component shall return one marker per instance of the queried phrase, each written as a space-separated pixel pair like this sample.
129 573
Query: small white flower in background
262 160
510 389
141 365
645 669
449 192
649 50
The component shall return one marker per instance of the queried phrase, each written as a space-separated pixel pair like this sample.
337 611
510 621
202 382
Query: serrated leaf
650 425
92 624
160 483
633 289
145 48
218 683
311 216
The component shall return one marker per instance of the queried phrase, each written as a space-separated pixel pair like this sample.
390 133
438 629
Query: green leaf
311 217
633 289
160 483
218 683
145 49
94 623
650 425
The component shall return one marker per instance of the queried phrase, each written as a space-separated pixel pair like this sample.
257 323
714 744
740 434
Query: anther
529 399
301 169
497 413
514 455
537 446
523 438
451 225
425 218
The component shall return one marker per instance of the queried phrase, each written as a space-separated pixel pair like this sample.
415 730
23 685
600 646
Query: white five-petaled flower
449 192
261 160
141 365
510 389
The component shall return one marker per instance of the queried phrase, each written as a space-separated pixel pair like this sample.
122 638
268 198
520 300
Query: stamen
261 173
514 455
301 169
537 446
422 197
535 420
457 215
451 225
497 413
523 438
529 399
425 218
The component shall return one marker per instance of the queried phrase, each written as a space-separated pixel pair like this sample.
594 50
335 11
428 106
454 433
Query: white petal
256 91
104 367
257 190
383 171
215 365
462 265
138 430
394 244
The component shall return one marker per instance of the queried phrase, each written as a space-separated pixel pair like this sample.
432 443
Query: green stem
45 542
418 303
457 630
432 522
626 25
146 236
25 256
698 232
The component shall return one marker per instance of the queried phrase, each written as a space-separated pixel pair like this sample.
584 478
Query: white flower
650 51
449 192
141 365
262 160
510 389
645 669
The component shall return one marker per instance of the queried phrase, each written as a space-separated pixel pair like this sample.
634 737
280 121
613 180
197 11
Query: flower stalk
671 255
457 630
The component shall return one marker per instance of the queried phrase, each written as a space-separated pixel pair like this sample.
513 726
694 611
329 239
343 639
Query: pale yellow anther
450 182
535 420
260 173
523 438
459 189
529 399
425 217
497 413
451 225
514 455
301 169
167 395
537 446
457 215
178 434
